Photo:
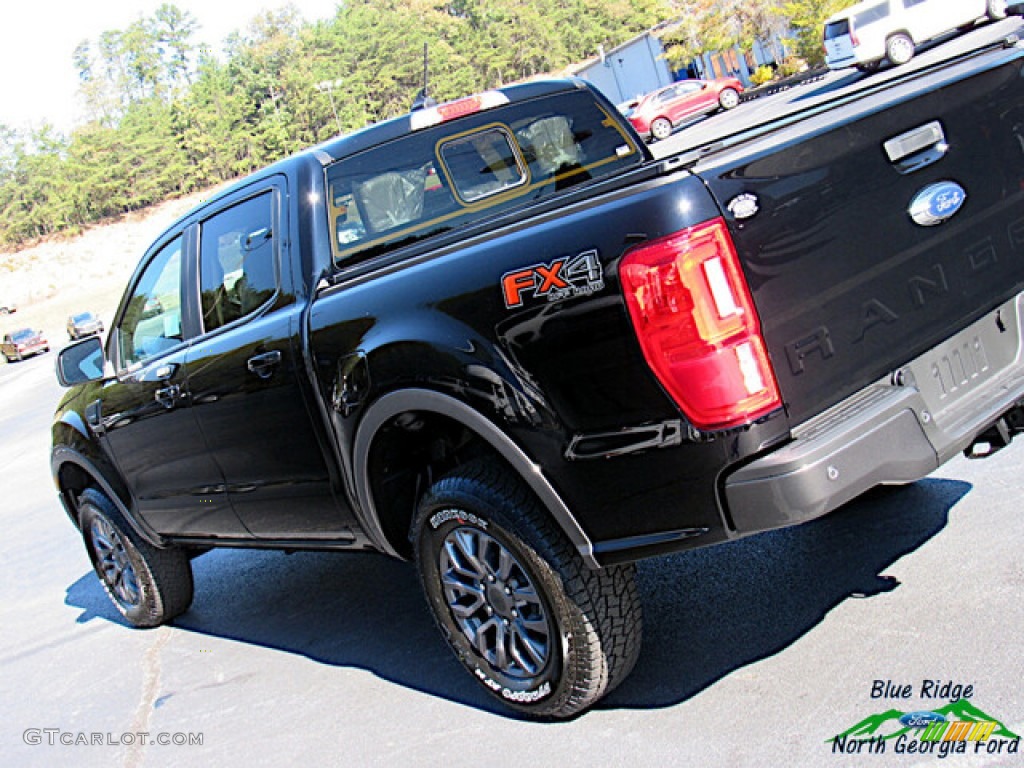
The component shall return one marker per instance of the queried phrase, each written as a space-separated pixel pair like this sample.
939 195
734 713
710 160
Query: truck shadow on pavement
706 613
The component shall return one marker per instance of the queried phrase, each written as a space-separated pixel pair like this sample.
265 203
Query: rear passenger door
246 378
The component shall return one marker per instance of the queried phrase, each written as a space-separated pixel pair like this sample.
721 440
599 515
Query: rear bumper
894 431
35 349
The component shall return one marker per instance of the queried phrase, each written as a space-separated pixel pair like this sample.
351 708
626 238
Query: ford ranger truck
497 338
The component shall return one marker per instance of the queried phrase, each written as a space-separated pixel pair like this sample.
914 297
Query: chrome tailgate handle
918 148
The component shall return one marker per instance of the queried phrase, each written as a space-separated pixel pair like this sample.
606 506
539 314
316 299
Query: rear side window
872 14
458 173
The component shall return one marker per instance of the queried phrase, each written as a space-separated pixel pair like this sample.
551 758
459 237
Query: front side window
151 323
236 261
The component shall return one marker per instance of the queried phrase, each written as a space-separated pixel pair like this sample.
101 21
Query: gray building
629 70
638 66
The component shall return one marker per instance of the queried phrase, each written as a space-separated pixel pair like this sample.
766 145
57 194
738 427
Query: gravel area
58 277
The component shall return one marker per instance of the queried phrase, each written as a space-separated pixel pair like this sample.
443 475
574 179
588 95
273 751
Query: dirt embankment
54 279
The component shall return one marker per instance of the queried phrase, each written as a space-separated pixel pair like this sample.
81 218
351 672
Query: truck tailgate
848 285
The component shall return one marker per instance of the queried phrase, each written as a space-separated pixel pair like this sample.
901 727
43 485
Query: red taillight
854 40
695 319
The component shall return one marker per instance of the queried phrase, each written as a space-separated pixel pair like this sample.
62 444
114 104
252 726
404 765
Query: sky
38 81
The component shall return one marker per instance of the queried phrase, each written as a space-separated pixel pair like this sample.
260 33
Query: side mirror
80 362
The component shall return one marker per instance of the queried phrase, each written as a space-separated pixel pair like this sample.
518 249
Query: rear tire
899 49
535 626
148 585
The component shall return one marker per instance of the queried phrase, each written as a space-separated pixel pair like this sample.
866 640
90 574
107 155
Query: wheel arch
386 461
902 33
73 473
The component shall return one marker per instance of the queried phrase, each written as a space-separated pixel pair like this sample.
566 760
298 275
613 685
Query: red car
23 343
658 113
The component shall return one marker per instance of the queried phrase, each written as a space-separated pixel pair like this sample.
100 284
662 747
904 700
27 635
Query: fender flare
62 455
394 403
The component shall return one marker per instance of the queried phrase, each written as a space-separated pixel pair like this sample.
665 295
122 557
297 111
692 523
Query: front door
144 414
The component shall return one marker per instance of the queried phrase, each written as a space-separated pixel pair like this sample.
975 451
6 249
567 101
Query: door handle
263 365
168 396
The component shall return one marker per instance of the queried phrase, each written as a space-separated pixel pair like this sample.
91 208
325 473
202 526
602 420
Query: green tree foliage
807 20
716 25
165 117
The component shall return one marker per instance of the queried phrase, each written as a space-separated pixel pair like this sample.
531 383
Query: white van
870 32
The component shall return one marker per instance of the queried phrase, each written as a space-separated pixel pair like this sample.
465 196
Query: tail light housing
694 318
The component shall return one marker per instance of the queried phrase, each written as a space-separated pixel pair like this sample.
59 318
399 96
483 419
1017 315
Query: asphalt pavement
756 653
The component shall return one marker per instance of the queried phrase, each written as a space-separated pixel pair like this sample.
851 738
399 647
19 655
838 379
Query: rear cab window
458 173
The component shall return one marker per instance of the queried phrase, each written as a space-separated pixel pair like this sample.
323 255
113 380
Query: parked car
658 113
84 324
6 309
24 343
869 33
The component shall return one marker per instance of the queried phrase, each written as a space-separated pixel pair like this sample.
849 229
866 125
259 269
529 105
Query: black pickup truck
497 338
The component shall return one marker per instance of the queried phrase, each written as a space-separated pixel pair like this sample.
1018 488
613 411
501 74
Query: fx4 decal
563 278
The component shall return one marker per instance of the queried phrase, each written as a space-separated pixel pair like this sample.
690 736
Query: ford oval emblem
921 719
937 203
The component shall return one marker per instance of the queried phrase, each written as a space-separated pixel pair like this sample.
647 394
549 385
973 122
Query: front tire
533 624
148 585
